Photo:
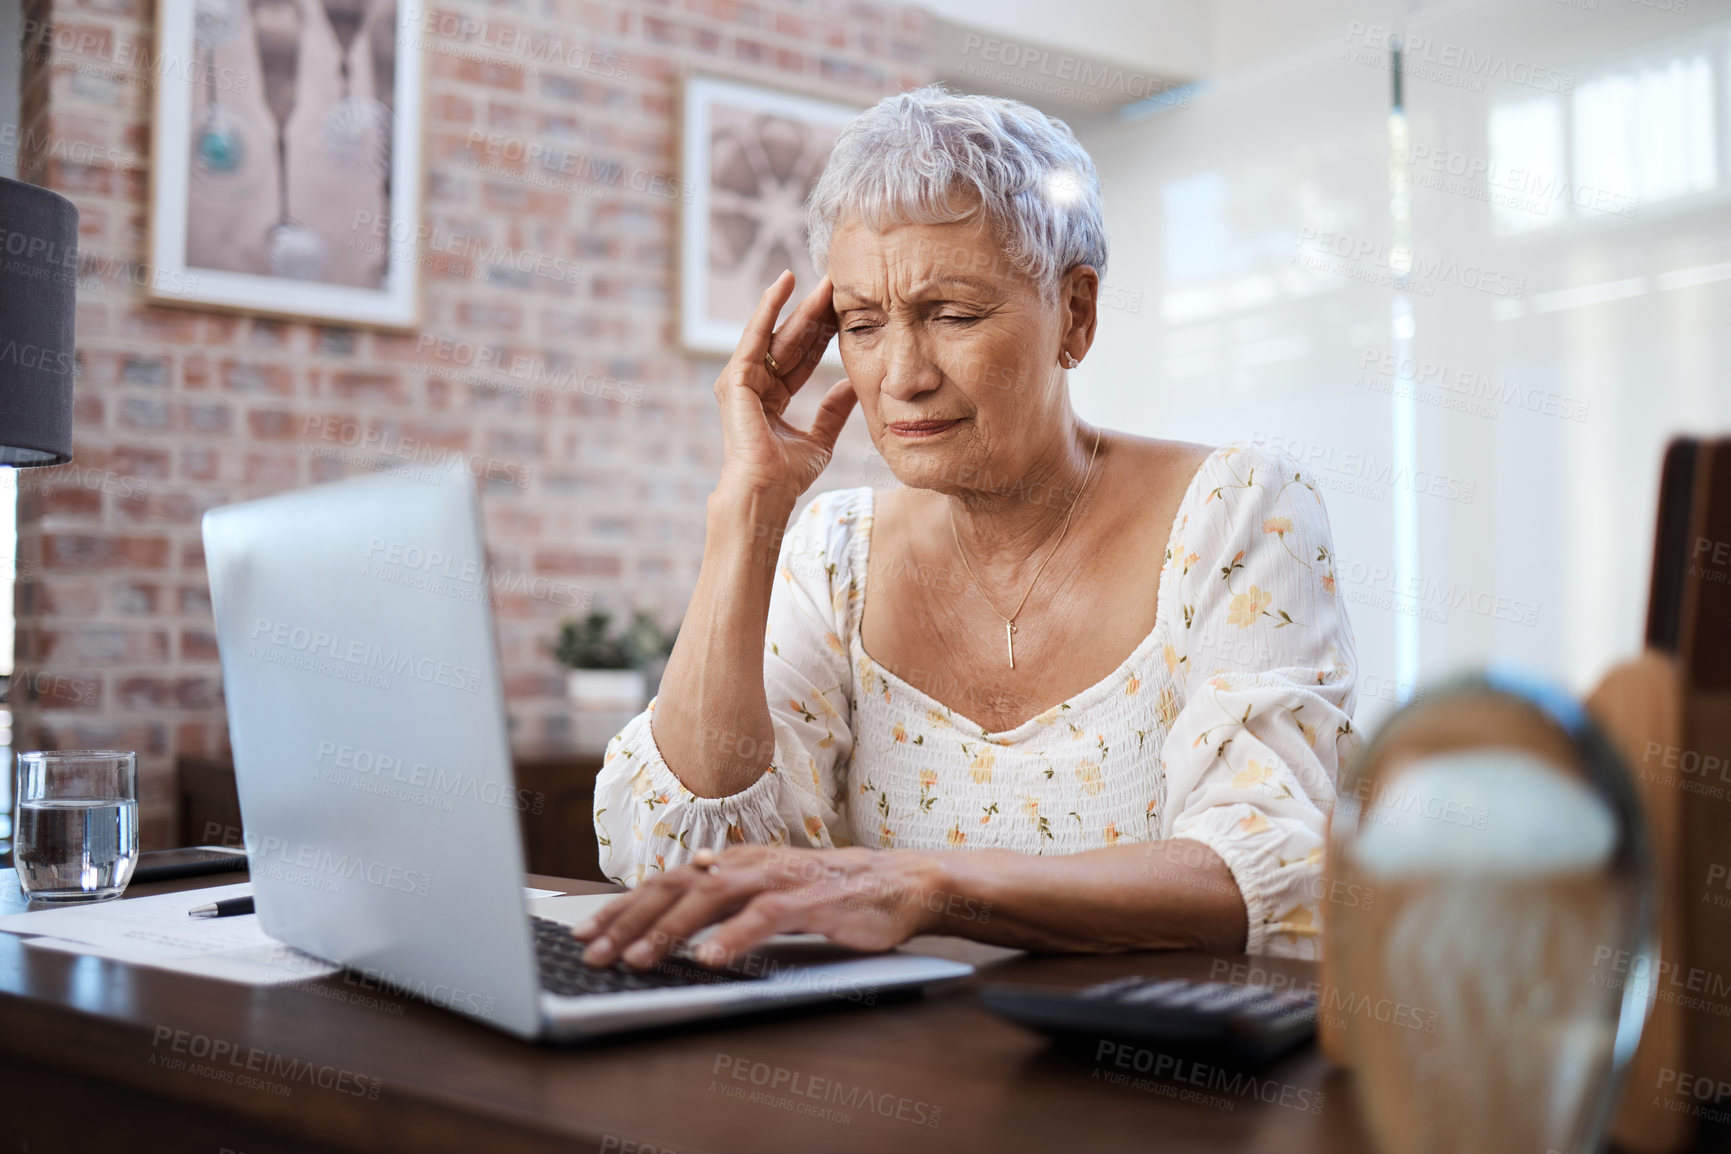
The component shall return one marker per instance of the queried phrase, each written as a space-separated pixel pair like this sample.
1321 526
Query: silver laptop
367 717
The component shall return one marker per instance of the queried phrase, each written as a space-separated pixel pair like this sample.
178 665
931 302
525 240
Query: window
1643 133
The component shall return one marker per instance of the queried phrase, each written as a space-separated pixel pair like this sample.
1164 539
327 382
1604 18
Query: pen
226 908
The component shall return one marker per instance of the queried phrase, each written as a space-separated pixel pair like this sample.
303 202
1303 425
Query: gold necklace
1010 621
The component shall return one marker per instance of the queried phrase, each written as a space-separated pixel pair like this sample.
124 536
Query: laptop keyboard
560 959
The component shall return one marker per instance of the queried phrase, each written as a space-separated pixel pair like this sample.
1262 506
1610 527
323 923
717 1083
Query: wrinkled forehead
913 258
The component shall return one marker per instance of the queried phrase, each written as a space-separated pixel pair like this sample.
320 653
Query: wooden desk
78 1037
558 827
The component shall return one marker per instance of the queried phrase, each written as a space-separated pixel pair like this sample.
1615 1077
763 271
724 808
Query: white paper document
157 931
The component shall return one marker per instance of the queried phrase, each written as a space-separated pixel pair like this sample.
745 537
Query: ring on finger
769 363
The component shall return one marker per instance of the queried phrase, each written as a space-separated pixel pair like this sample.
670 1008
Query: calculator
1246 1026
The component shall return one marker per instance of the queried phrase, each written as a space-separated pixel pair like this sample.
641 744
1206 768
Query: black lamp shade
38 302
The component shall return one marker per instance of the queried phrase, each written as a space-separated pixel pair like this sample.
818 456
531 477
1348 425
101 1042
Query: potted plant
649 646
610 669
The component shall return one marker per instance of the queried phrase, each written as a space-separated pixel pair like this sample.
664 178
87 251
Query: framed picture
286 159
750 156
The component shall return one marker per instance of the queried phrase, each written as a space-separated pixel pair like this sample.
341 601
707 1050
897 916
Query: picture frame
749 155
287 160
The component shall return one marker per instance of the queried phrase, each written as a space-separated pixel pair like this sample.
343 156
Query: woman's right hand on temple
715 673
761 453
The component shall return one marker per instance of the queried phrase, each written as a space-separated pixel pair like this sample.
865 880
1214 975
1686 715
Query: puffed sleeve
1264 658
645 818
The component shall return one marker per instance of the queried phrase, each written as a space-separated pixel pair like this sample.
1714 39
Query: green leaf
591 643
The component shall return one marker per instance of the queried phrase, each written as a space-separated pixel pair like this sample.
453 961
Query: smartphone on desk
187 861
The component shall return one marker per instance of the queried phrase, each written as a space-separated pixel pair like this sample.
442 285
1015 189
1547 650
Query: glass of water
77 829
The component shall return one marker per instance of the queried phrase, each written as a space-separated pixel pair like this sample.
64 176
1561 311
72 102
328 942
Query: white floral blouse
1226 726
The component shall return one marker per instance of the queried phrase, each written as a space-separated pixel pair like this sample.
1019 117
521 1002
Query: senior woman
1066 689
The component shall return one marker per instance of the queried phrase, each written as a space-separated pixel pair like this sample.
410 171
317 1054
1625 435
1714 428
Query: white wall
1620 321
1248 34
1212 333
1168 37
1531 540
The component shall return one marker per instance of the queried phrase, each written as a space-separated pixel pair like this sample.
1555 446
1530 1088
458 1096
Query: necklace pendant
1010 641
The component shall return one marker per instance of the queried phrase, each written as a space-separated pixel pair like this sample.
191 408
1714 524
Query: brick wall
592 490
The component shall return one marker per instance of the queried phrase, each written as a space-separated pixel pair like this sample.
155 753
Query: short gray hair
905 159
